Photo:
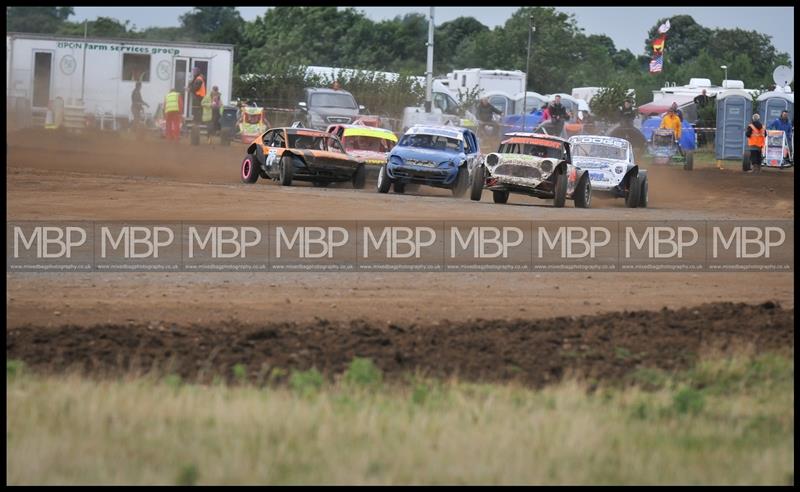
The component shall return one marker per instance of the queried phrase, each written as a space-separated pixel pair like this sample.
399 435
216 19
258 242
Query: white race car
611 167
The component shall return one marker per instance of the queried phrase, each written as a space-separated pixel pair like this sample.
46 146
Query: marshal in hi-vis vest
172 102
756 139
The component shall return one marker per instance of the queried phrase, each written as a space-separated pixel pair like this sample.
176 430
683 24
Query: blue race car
439 156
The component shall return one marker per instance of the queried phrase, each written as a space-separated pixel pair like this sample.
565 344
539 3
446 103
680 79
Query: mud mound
535 352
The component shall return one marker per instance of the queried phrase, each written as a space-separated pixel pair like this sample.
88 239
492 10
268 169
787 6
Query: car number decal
273 154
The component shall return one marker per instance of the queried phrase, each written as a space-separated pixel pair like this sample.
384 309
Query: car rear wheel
249 169
360 177
476 187
634 189
560 189
384 183
500 196
462 182
286 170
583 192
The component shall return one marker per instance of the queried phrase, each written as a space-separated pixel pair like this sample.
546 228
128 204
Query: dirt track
601 348
52 177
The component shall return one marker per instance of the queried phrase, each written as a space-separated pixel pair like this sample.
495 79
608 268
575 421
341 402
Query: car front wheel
384 183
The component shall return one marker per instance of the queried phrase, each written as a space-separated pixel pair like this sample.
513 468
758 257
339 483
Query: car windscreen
307 142
599 150
435 142
534 150
331 100
363 142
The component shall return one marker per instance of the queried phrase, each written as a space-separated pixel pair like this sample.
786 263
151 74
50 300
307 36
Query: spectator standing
197 89
627 113
782 123
558 115
137 102
755 134
216 110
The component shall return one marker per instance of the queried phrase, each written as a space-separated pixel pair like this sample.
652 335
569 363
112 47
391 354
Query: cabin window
136 67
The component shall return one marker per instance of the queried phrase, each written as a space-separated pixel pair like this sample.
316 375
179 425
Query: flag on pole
657 64
663 28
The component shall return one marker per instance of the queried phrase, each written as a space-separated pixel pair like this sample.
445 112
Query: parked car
612 168
302 154
322 107
533 164
439 156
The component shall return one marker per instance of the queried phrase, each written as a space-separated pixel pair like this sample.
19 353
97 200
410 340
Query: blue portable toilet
771 104
734 110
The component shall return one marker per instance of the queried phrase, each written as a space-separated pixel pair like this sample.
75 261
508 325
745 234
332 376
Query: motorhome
99 74
509 82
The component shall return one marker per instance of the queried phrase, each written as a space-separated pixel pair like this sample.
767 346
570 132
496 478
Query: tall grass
726 421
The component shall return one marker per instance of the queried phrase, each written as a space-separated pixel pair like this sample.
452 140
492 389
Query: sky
626 26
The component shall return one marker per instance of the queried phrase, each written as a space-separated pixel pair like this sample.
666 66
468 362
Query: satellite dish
782 76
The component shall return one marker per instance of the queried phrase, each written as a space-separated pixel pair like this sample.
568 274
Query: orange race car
303 154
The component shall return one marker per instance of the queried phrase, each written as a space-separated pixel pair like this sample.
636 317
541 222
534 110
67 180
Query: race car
535 164
438 156
370 144
302 154
611 167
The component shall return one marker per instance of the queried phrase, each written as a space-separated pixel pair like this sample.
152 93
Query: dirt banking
606 347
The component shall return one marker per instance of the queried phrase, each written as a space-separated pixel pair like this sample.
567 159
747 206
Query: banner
657 63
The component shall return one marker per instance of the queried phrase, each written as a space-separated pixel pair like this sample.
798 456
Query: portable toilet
734 110
771 104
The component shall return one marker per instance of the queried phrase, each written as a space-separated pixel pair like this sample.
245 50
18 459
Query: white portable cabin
771 104
509 82
100 74
734 112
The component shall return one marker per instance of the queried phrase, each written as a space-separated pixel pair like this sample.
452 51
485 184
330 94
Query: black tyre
476 187
560 189
399 187
249 169
360 177
689 164
745 161
583 192
384 183
634 189
643 192
286 170
500 196
462 182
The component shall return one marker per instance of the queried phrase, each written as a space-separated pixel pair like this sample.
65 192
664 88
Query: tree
102 27
44 20
451 36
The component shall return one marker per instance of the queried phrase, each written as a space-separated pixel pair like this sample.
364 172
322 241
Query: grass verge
728 420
